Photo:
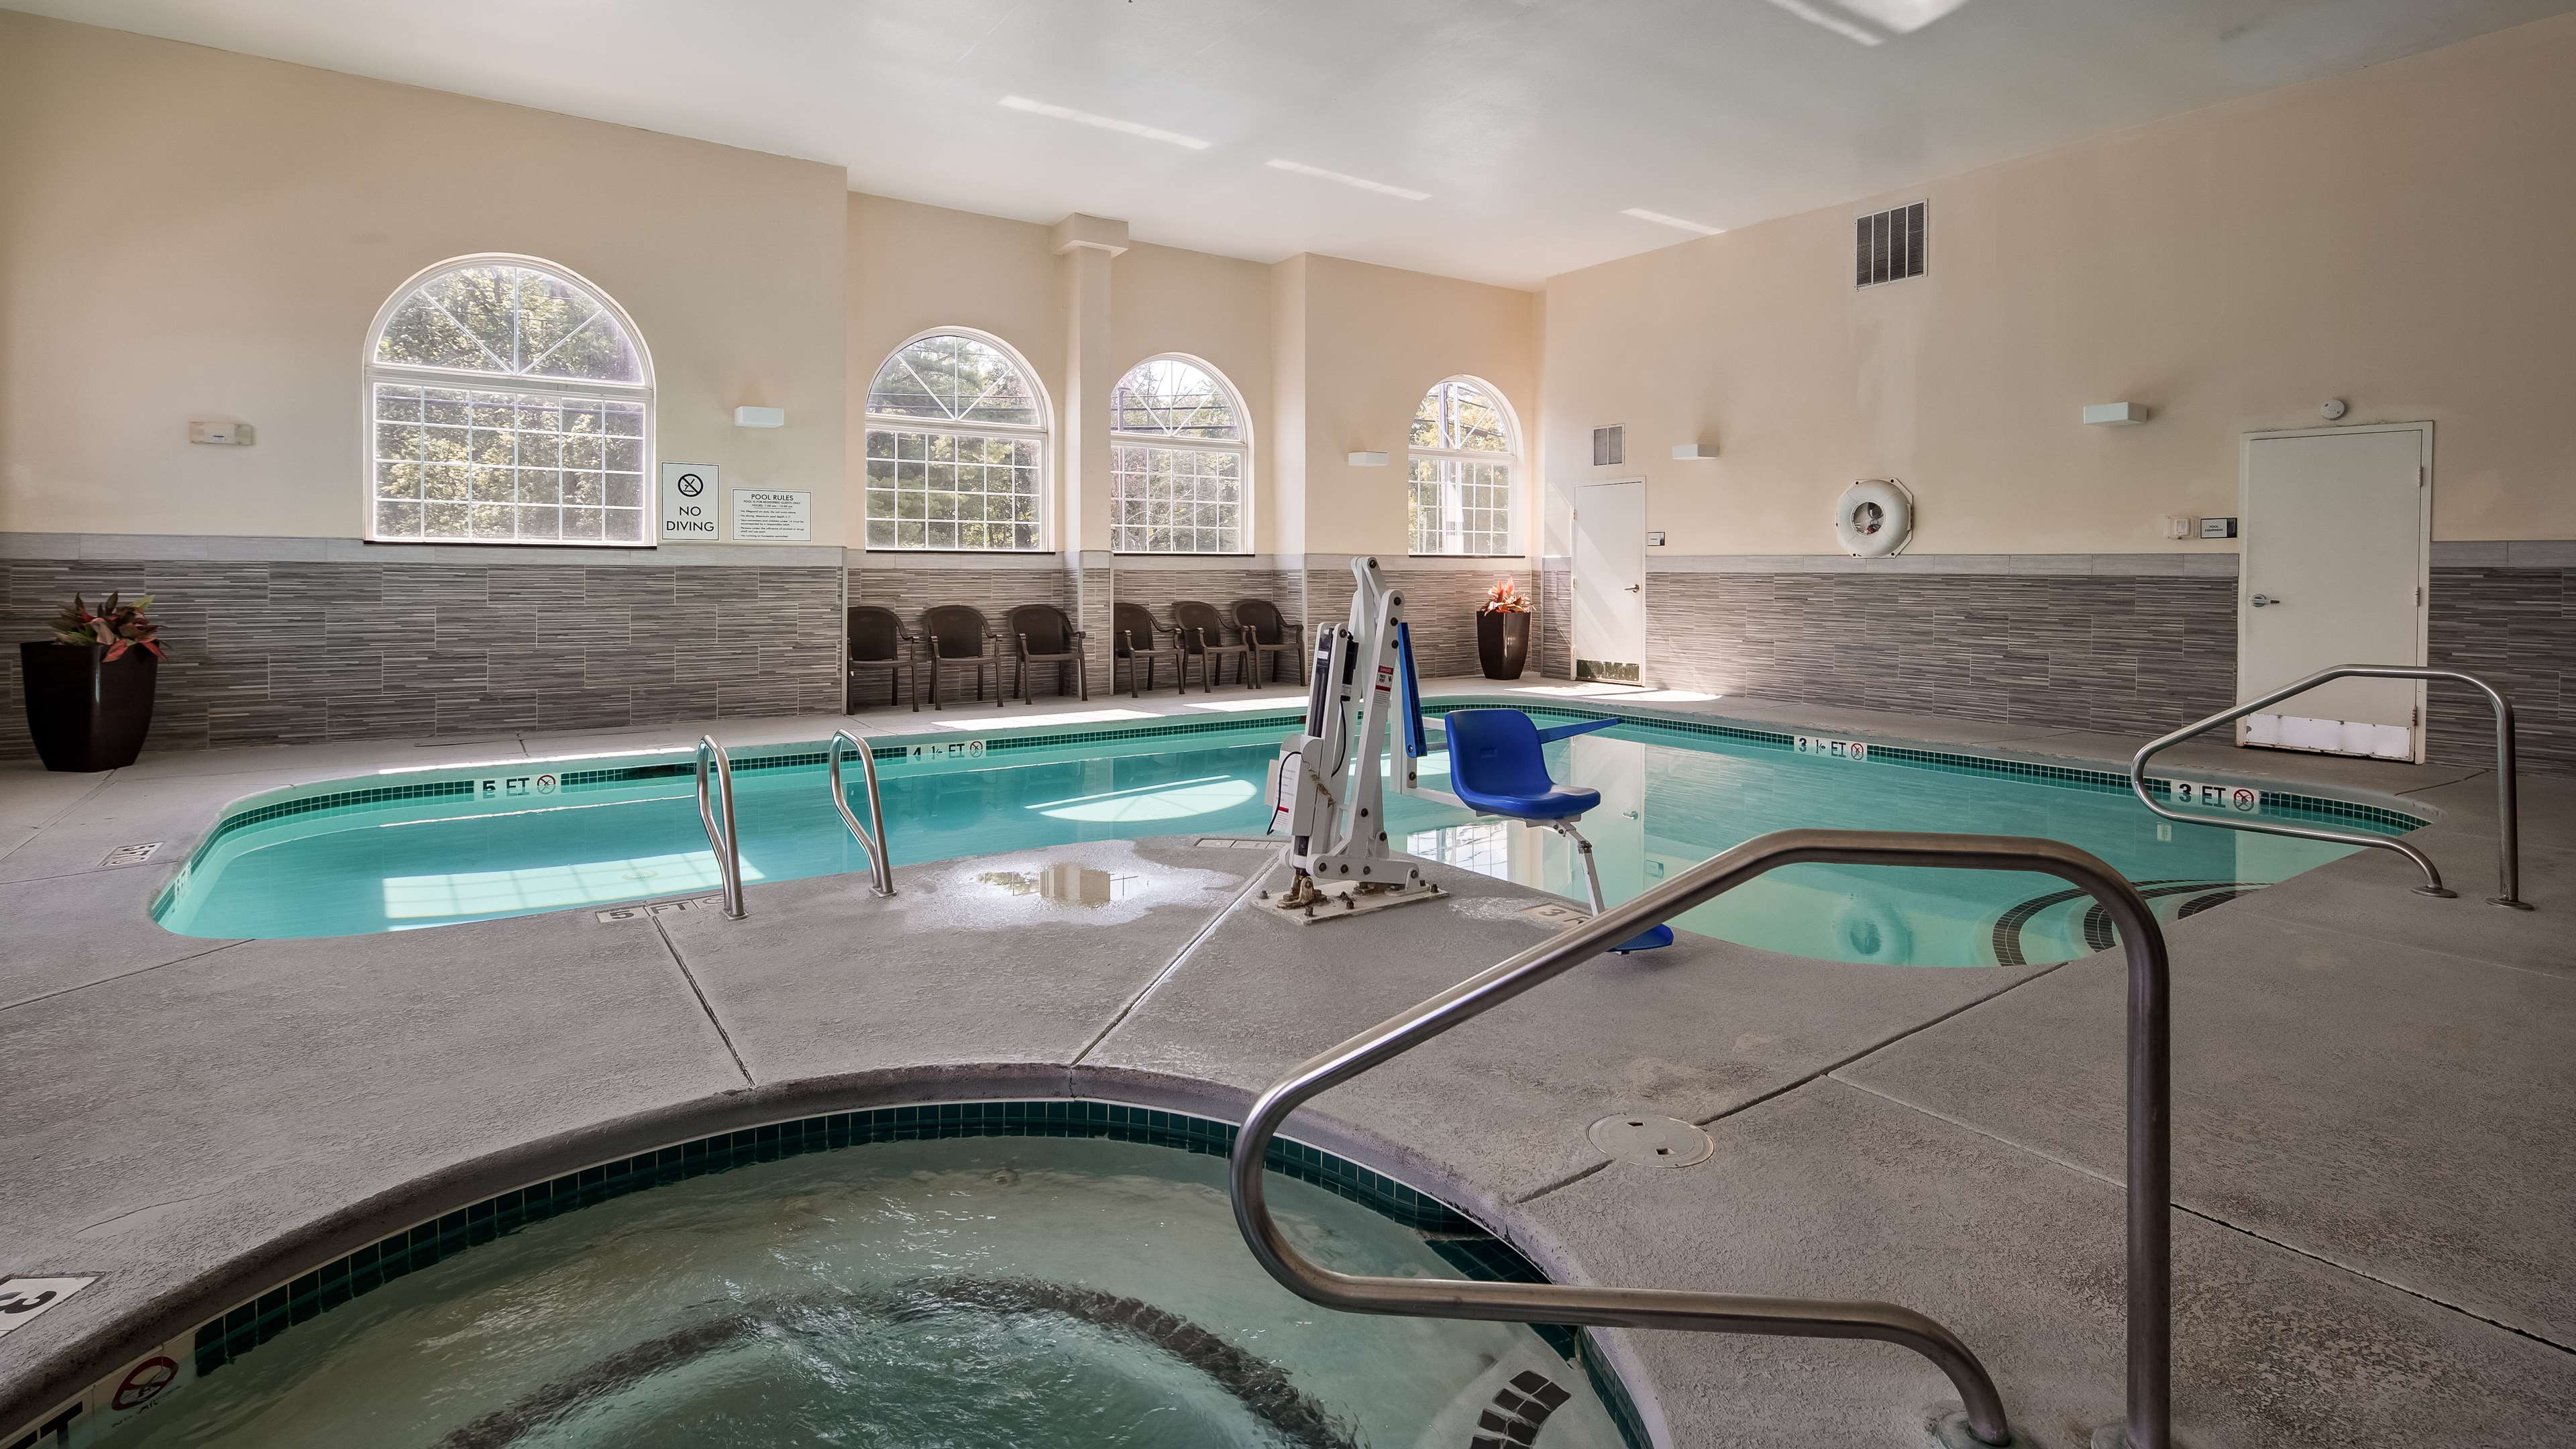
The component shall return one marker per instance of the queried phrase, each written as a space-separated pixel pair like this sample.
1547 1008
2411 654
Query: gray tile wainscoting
2135 655
274 652
2516 629
996 591
908 589
1158 587
1439 606
1555 643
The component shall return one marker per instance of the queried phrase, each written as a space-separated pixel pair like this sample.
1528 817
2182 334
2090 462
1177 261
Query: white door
2337 551
1610 581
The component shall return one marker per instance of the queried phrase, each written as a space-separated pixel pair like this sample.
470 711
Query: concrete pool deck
2375 1173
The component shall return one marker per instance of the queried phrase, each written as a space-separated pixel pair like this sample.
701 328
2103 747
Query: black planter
87 713
1502 643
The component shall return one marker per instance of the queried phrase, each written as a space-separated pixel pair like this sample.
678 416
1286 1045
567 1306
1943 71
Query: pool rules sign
689 495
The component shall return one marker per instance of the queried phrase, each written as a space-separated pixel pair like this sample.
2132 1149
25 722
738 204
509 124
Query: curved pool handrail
2508 844
2149 1388
880 865
726 843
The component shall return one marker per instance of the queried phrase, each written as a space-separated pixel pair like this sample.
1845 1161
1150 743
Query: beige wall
188 233
1376 339
2393 237
913 268
1164 299
1331 356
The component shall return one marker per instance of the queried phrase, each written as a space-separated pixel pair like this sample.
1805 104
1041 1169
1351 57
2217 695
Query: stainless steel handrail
2509 834
880 867
2149 1149
727 844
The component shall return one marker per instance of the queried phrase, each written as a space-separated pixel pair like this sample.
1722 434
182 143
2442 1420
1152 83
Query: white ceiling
1531 125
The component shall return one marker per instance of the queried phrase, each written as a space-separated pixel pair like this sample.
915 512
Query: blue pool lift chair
1495 768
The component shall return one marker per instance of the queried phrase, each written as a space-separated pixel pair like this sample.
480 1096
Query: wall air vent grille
1609 446
1887 246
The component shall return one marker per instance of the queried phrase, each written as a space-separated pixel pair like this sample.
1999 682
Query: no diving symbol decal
144 1383
689 502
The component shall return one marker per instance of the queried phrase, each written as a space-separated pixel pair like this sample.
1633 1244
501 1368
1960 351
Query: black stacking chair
1203 634
878 645
1045 636
1136 642
957 638
1271 636
1140 648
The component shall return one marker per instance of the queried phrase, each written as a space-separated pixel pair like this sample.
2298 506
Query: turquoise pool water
1669 800
970 1293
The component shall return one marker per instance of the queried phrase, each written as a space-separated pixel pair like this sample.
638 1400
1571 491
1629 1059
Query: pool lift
1332 786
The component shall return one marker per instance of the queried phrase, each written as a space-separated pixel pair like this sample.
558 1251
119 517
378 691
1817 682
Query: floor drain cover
129 855
1644 1141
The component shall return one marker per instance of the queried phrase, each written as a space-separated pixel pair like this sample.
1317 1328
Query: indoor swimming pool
406 850
971 1292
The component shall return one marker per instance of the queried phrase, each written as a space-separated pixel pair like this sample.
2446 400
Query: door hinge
2419 596
2419 475
2415 717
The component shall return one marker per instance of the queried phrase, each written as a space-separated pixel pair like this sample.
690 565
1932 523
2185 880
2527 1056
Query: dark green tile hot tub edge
1458 1239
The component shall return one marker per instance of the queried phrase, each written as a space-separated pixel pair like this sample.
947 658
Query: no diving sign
689 495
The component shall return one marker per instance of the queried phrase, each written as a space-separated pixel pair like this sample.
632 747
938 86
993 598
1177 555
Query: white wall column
1084 247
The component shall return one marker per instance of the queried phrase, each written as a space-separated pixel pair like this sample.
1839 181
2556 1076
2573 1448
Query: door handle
1632 588
2265 601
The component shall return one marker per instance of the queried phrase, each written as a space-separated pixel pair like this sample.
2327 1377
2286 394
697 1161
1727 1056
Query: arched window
1464 450
509 401
957 434
1179 460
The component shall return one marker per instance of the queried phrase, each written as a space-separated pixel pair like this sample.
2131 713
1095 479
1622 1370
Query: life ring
1874 518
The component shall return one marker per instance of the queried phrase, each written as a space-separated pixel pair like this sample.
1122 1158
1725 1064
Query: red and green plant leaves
119 626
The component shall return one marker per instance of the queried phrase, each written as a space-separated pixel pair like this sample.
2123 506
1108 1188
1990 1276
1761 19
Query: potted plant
1502 631
89 688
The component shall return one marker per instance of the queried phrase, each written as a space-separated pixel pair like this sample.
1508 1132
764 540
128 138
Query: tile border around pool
2276 803
1458 1239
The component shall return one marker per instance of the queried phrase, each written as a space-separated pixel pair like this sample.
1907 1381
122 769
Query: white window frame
1042 432
1241 447
1508 460
371 371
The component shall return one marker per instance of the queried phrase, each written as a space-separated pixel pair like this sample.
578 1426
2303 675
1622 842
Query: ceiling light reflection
1835 23
1105 123
1659 219
1362 182
1902 16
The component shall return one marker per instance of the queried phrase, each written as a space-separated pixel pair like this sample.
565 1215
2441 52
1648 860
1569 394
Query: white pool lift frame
1329 780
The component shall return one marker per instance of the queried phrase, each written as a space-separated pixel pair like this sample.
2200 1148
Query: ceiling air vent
1887 246
1609 446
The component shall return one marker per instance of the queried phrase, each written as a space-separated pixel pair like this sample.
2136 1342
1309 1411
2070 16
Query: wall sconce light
760 417
1368 460
1693 452
2114 415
